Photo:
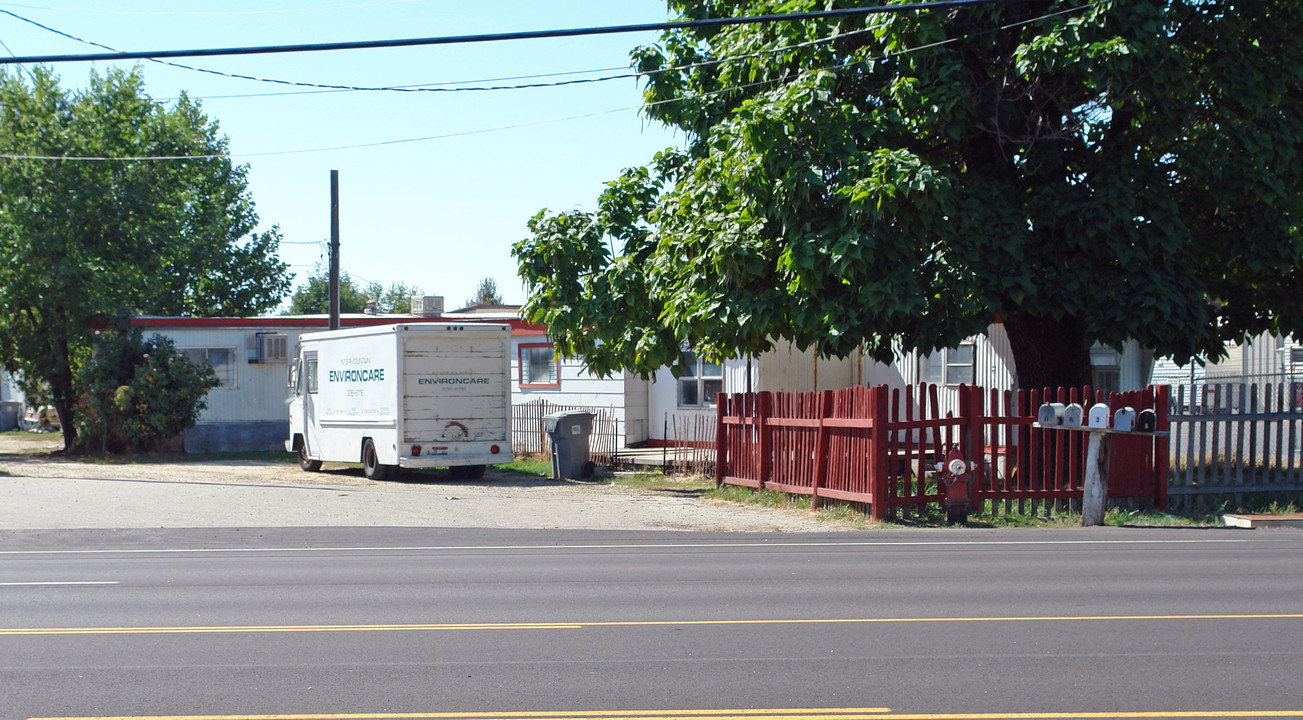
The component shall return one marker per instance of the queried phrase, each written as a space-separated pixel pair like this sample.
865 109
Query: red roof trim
518 326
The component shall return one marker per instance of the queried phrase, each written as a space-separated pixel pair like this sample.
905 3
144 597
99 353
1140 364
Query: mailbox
1146 421
1073 416
1098 416
1124 420
1051 414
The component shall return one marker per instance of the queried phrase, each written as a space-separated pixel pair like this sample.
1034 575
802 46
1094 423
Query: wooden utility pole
334 249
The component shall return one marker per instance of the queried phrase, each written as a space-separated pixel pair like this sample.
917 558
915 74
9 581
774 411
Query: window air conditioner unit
427 305
272 348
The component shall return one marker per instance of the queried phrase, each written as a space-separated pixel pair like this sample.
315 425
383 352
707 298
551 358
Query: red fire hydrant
956 482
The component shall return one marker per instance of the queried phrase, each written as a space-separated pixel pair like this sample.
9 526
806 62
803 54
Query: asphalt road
414 623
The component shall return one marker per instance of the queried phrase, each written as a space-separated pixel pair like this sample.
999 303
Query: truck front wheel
306 462
371 466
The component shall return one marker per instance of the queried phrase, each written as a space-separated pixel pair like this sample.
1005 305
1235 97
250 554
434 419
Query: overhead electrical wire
459 86
192 13
498 37
464 133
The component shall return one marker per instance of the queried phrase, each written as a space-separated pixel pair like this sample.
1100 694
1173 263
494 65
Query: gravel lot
41 491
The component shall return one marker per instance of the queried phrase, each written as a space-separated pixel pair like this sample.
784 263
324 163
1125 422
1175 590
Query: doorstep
1264 521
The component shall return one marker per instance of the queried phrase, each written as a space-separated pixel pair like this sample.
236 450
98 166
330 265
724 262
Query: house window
700 381
952 366
539 366
1105 369
221 359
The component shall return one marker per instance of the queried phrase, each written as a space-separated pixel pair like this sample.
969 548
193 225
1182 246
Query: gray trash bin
568 433
9 413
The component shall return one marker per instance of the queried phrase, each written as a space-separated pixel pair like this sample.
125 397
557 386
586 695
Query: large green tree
313 296
1080 171
112 202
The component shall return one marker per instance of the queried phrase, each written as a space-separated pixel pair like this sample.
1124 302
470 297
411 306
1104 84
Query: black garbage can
568 434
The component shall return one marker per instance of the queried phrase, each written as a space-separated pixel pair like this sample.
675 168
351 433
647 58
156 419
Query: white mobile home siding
579 387
259 391
249 411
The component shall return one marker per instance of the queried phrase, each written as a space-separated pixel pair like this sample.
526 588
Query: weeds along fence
879 446
529 434
1236 445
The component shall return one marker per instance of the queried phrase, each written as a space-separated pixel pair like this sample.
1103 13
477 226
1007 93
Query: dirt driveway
40 491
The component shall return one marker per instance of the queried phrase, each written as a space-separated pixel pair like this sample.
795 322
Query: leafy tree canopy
313 297
1081 172
81 239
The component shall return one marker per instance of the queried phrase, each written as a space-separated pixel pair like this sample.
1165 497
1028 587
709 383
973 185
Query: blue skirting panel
236 437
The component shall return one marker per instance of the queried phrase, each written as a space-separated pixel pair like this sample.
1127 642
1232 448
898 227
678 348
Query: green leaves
89 238
1102 169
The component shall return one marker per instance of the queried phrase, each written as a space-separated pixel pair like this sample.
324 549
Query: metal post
334 249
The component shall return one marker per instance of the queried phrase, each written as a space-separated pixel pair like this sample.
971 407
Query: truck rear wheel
467 472
371 466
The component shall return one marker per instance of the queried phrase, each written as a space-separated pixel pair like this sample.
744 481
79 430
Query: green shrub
136 393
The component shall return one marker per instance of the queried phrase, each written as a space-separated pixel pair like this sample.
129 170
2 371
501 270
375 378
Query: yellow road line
738 714
424 627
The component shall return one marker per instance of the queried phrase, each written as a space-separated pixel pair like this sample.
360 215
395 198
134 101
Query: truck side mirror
293 379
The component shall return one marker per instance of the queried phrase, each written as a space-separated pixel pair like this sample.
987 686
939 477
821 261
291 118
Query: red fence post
764 445
973 410
821 458
721 444
878 466
1161 457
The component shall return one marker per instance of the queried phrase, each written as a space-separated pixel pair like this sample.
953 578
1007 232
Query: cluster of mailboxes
1096 418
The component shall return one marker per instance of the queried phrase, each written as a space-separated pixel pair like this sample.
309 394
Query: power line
283 11
465 133
460 85
423 88
496 37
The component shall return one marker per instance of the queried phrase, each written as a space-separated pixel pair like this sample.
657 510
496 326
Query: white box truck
409 395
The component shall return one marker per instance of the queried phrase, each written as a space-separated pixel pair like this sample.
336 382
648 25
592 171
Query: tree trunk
62 394
1048 352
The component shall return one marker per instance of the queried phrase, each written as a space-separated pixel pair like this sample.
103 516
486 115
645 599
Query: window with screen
222 361
699 382
539 366
952 366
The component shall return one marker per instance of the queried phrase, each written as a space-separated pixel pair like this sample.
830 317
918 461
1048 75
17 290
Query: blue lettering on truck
367 375
452 381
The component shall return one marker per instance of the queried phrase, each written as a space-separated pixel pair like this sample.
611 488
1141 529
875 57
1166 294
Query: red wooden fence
879 445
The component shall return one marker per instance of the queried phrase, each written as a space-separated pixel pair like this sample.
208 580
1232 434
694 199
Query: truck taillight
416 450
495 449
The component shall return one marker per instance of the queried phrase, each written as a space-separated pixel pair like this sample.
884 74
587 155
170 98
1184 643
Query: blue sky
441 213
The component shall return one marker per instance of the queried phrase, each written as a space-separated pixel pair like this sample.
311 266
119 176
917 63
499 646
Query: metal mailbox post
1125 421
